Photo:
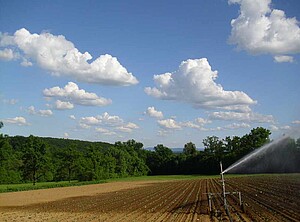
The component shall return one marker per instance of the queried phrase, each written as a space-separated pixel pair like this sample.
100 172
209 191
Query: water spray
255 154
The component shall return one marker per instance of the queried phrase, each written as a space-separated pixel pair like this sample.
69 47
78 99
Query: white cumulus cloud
280 59
127 128
261 29
46 112
71 94
277 128
237 126
61 105
105 131
56 54
43 112
19 120
168 124
194 83
7 54
10 101
198 123
246 117
110 120
104 121
90 120
152 112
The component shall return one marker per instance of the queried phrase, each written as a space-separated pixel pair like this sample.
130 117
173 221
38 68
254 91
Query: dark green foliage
227 150
162 160
9 162
38 159
70 161
190 149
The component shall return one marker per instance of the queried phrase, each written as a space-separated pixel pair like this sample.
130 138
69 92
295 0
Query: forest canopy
35 159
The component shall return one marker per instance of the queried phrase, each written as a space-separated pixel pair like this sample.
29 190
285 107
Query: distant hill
58 143
175 150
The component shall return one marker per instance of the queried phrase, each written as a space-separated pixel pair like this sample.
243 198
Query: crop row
264 199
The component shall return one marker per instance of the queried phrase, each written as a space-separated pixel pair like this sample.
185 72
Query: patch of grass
42 185
45 185
162 177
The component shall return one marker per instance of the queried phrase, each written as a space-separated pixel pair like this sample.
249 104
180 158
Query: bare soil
271 198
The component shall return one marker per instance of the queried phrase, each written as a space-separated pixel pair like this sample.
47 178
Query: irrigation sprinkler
224 192
223 196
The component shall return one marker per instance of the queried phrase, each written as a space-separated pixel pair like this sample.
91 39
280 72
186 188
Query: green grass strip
45 185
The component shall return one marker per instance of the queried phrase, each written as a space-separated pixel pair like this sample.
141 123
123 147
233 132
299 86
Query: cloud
168 124
10 101
296 122
202 121
105 120
26 63
280 59
198 123
60 57
105 131
237 126
72 94
194 83
19 120
90 120
66 135
247 117
7 54
45 113
84 126
163 133
109 120
171 124
277 128
131 125
72 117
127 128
152 112
259 29
60 105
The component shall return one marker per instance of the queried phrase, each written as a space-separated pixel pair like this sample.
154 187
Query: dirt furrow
270 198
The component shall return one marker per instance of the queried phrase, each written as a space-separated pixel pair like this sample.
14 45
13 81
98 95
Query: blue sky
166 72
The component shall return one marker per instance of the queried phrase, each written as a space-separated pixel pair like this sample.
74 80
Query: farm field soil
265 198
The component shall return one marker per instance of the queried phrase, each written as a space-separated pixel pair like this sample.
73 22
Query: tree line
34 159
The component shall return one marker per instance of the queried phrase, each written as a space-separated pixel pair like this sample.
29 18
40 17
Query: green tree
190 149
9 162
108 166
213 145
137 146
94 156
70 160
233 144
36 163
256 138
163 152
298 143
160 161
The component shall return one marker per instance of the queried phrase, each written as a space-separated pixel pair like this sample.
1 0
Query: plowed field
265 198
